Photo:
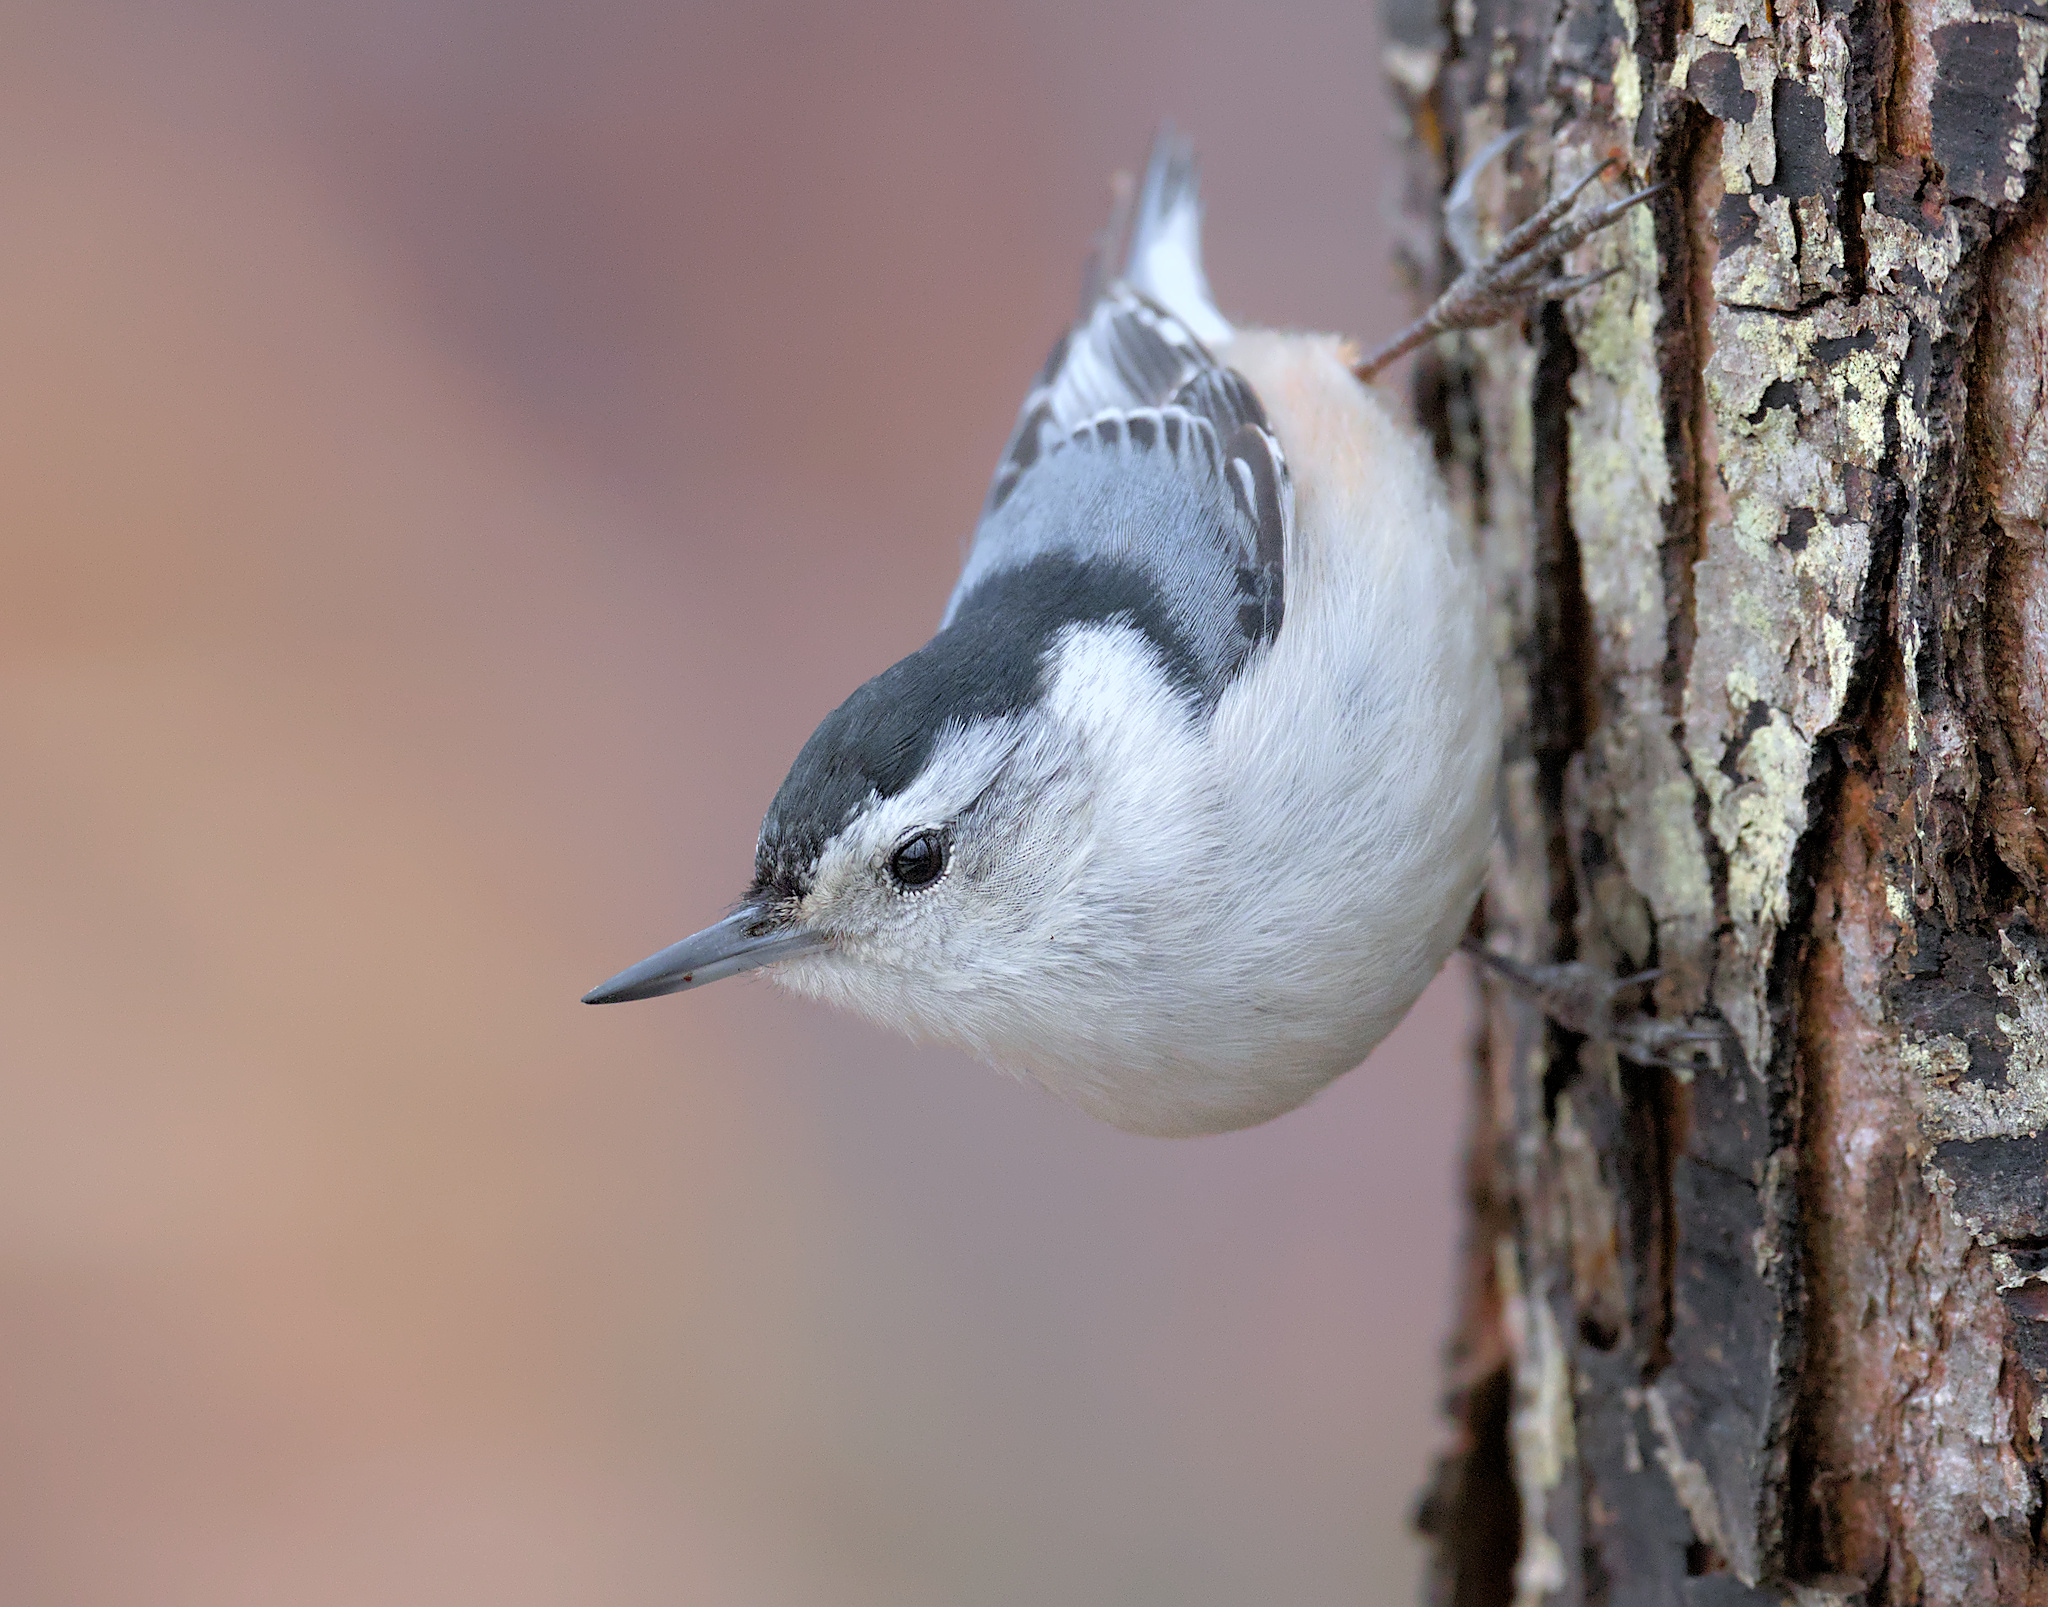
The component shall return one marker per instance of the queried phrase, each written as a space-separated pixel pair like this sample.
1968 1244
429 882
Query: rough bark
1763 521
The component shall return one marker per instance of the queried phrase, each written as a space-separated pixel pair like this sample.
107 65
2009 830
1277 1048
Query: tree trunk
1762 519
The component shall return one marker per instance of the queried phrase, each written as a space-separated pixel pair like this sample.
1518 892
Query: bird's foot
1584 999
1495 285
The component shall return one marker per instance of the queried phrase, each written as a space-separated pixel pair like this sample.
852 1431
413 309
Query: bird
1193 790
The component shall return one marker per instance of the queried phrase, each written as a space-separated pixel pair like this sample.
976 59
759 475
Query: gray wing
1141 467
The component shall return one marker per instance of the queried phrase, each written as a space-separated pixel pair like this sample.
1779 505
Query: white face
1005 805
1063 828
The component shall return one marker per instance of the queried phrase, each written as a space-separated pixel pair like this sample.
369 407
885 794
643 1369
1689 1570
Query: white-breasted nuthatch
1190 796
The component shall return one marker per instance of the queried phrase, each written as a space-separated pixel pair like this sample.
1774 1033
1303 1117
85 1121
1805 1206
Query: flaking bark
1763 520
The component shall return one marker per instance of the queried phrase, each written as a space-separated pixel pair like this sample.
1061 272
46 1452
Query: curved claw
1461 206
1565 289
1503 283
1583 999
1589 223
1534 232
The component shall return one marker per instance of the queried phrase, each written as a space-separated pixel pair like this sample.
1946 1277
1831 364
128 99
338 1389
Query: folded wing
1142 467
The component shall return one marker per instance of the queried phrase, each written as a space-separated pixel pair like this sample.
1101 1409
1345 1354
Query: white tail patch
1166 242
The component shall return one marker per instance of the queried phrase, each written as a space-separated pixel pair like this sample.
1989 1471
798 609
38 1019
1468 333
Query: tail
1165 259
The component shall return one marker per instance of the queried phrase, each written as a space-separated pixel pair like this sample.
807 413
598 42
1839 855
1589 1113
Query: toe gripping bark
1496 285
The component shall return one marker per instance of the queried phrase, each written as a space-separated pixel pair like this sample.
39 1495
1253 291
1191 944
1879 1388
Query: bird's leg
1585 999
1518 271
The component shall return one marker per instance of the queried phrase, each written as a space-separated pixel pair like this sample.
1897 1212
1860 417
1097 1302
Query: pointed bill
718 951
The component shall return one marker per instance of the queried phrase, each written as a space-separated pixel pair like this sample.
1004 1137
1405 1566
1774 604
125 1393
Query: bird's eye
918 861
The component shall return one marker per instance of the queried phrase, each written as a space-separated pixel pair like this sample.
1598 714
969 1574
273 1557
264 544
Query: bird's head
915 862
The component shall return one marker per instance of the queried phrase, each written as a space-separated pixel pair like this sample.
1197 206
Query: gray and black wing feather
1141 465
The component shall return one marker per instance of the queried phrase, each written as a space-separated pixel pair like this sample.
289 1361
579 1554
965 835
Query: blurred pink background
452 454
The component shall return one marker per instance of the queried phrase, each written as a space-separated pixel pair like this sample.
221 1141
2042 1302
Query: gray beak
718 951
